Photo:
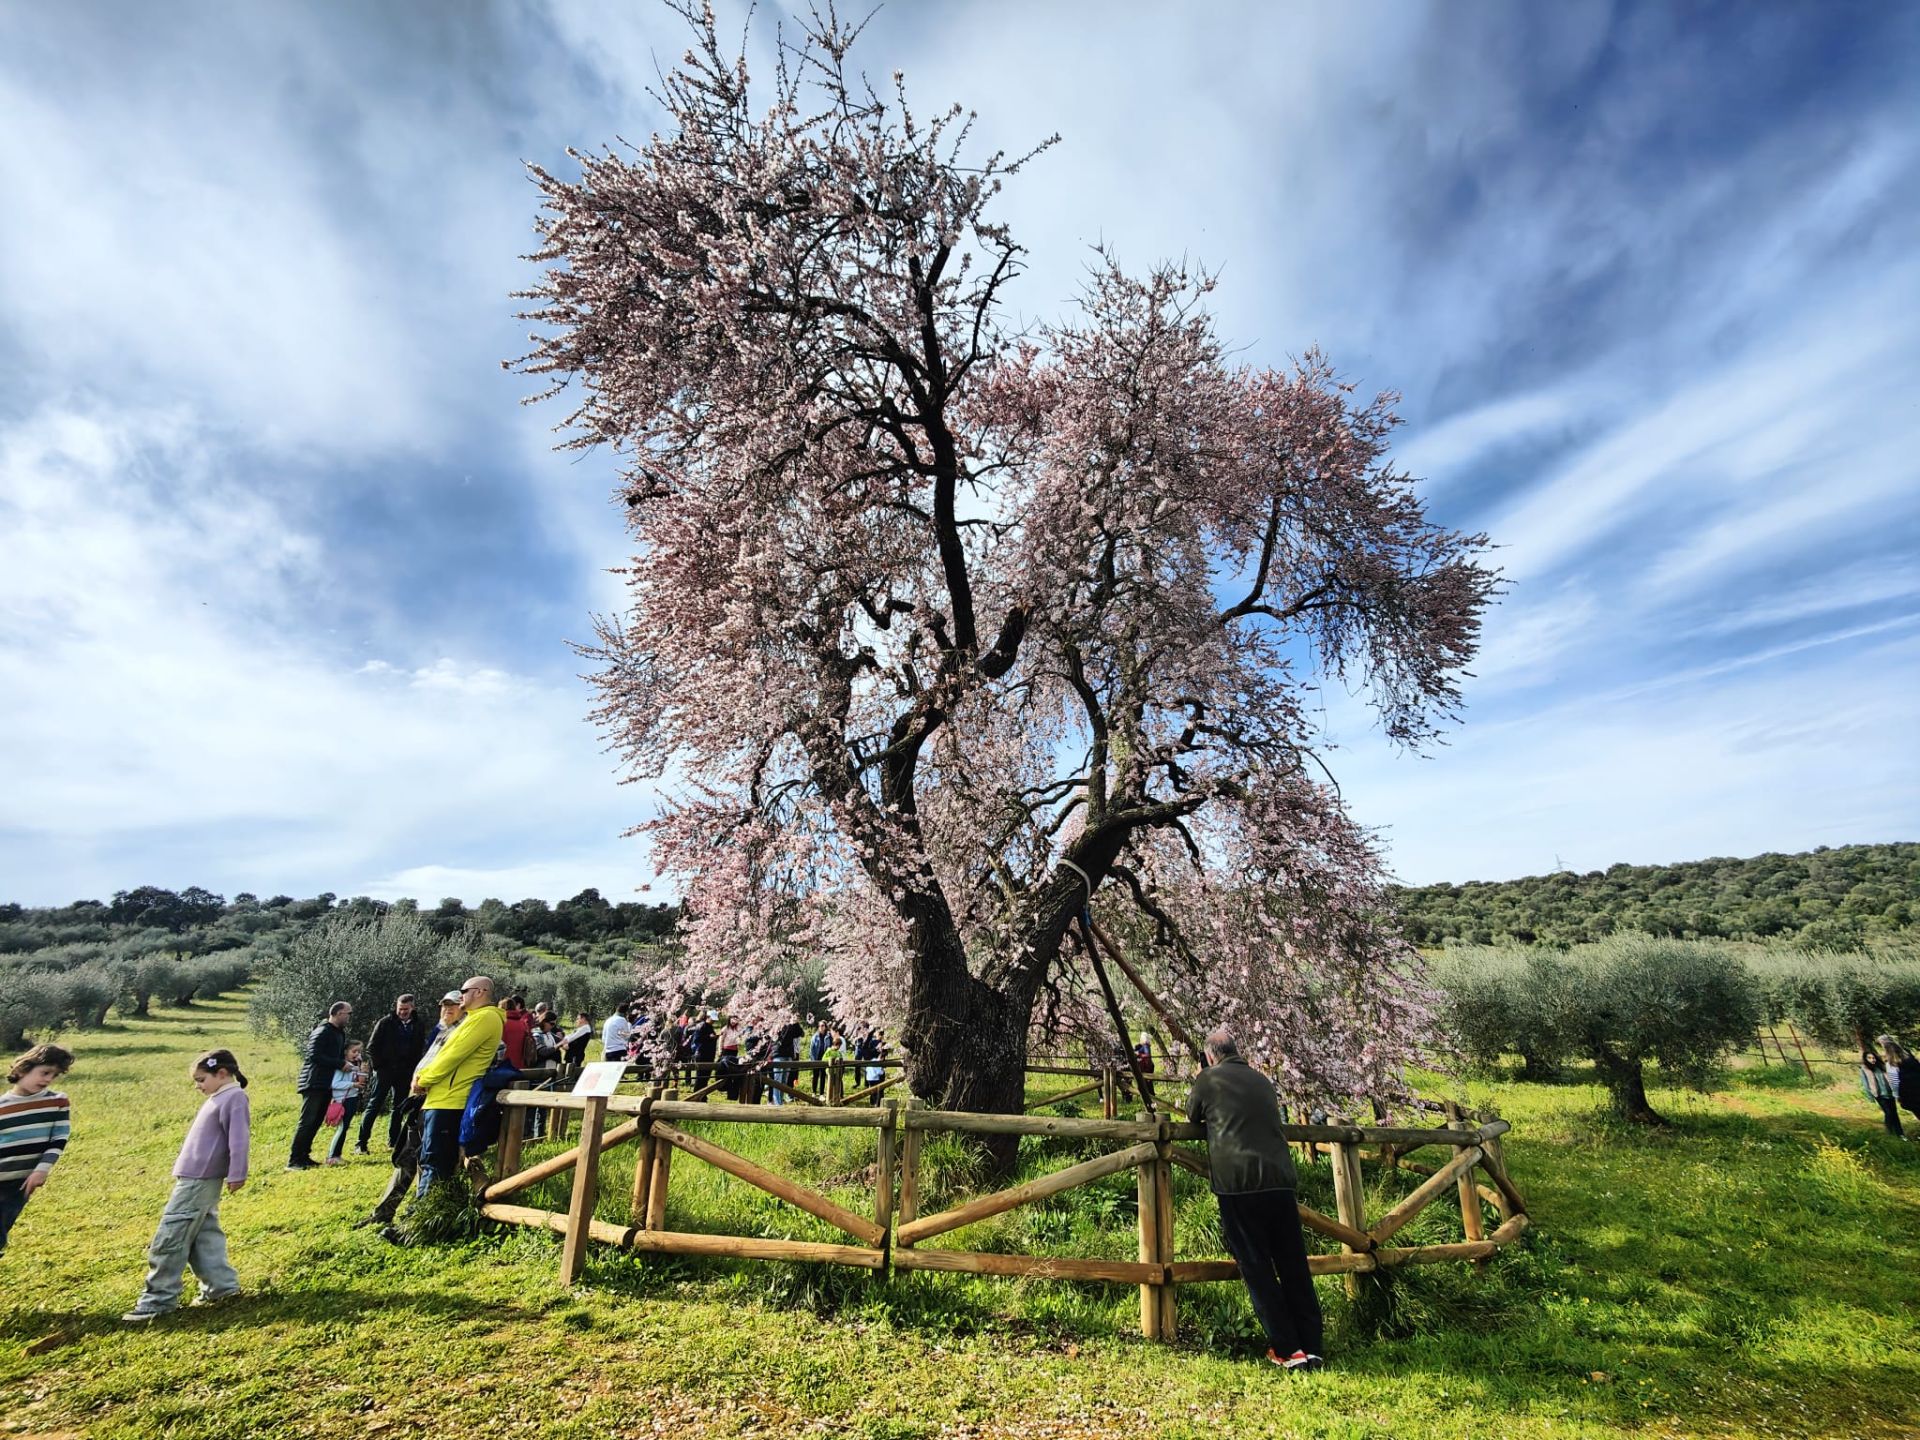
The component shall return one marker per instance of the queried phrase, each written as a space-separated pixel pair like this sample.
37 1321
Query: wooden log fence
891 1239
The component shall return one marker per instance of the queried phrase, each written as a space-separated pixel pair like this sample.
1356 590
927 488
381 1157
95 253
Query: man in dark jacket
394 1048
325 1053
1253 1180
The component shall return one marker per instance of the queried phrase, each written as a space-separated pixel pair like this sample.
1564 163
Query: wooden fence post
656 1217
1148 1195
1804 1065
643 1167
885 1164
1471 1221
586 1180
1168 1323
1109 1094
910 1172
513 1130
1349 1198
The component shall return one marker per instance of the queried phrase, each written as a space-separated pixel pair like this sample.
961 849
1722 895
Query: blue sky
286 572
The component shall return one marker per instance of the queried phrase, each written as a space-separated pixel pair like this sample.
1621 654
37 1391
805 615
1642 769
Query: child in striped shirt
33 1129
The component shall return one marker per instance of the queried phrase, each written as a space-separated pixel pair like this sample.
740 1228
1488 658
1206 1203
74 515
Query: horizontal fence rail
889 1238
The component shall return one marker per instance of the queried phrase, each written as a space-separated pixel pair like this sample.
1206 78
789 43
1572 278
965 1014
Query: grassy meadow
1748 1272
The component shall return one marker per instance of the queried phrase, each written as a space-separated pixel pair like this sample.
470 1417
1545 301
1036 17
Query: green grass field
1750 1272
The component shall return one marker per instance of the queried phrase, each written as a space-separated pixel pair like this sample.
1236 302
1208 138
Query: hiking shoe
361 1150
213 1297
1298 1360
140 1317
391 1234
301 1165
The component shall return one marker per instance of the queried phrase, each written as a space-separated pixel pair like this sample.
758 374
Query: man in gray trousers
1253 1179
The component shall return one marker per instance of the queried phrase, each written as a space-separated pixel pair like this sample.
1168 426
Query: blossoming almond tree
941 631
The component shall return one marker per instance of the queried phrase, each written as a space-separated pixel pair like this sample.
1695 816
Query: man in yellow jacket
444 1080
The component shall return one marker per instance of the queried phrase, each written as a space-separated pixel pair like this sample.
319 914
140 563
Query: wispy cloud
285 573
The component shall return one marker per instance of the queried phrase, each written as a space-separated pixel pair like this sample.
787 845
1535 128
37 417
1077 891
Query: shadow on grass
342 1303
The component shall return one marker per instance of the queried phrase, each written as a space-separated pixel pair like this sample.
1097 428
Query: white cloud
147 611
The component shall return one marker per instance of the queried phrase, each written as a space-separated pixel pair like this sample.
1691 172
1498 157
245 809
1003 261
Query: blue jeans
13 1199
439 1146
350 1107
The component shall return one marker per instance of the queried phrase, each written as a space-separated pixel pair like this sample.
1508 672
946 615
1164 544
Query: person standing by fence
213 1161
445 1078
1254 1183
34 1128
395 1048
325 1053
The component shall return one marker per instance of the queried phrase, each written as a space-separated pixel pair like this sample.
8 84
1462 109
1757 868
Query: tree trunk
1626 1084
966 1049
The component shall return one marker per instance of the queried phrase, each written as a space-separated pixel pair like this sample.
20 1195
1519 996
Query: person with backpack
445 1079
395 1048
323 1055
212 1163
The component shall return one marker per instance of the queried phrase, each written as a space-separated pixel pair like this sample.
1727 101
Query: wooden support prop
1040 1189
1349 1194
586 1179
1141 1083
513 1132
1045 1267
836 1082
1174 1027
1046 1100
1447 1175
777 1186
910 1142
1109 1095
556 1164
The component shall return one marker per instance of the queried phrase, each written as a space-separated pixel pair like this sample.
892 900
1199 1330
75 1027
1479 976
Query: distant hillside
1837 899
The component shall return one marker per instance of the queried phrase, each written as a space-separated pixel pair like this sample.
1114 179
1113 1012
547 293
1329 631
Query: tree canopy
939 626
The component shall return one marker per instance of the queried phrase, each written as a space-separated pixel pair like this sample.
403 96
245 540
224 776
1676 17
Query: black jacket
1906 1083
324 1053
1246 1150
395 1049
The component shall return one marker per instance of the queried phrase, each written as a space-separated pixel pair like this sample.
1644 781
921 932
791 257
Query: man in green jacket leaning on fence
444 1080
1253 1179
